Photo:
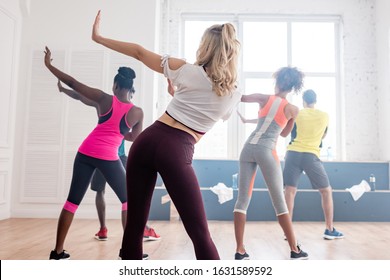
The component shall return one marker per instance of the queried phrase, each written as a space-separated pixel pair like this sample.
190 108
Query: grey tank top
268 130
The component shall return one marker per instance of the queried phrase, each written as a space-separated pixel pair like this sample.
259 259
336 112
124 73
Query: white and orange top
272 121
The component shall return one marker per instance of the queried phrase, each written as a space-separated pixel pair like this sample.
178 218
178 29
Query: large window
267 44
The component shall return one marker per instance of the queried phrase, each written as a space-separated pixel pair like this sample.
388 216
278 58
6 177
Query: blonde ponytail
218 51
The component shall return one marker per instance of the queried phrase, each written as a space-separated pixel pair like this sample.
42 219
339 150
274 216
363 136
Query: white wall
383 67
10 25
50 126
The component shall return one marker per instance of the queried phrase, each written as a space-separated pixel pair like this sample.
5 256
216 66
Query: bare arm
75 95
287 129
255 98
292 115
133 134
244 120
150 59
93 94
135 119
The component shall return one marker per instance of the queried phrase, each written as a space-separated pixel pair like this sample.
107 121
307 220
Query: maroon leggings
167 151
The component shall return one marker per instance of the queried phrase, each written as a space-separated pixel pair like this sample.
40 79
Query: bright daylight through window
310 44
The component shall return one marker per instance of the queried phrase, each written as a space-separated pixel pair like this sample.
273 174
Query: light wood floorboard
32 239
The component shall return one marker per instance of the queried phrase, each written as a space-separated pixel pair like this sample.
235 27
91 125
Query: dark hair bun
126 72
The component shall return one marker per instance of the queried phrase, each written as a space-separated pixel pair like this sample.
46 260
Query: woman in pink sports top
118 119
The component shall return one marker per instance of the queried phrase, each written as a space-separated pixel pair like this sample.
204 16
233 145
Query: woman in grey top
205 92
276 117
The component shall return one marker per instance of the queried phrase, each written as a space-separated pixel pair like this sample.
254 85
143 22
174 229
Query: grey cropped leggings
253 155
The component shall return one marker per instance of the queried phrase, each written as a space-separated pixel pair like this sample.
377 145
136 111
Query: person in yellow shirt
302 155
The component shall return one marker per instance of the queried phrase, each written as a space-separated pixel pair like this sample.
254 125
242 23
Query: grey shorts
297 162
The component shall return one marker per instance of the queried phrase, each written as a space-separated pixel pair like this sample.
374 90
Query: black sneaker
61 256
241 257
144 256
299 256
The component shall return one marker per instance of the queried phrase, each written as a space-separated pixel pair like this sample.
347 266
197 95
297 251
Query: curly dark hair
288 78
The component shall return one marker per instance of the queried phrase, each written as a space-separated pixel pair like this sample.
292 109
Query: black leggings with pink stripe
167 151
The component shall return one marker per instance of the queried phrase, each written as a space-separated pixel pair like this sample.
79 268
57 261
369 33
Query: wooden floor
32 239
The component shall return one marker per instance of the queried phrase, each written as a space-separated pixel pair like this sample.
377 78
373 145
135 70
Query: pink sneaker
101 235
150 234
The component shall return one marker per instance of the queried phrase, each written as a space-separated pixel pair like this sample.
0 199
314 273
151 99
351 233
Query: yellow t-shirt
310 128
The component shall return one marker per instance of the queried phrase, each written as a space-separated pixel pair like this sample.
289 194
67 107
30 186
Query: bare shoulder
255 97
292 110
135 116
263 99
175 63
136 112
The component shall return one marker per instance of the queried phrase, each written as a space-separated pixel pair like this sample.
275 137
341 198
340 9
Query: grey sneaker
301 255
241 257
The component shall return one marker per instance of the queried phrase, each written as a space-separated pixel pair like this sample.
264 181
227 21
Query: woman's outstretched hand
96 29
48 58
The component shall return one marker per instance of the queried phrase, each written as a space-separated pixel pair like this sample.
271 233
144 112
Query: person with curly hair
276 117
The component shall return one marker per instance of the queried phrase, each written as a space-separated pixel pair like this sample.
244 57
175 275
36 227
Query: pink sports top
103 142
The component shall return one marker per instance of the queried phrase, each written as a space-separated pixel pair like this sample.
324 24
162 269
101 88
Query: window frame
236 131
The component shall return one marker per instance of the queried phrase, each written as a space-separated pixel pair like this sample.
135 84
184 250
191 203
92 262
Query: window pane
325 89
313 46
192 35
264 46
214 143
